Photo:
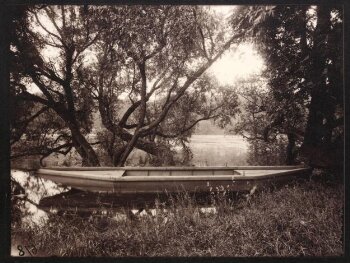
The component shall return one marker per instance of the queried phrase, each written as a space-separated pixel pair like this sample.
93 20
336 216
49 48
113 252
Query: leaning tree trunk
127 150
83 147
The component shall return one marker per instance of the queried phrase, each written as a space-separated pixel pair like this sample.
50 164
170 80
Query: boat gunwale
174 168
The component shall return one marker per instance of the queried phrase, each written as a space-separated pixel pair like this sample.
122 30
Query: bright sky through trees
235 63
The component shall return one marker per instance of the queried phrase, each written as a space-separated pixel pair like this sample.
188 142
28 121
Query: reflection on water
36 188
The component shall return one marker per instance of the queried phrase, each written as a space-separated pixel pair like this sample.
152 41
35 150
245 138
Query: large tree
55 76
157 59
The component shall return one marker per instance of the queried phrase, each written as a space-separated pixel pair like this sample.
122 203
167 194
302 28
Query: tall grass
297 220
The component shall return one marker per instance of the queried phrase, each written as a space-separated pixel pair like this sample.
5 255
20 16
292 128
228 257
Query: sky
237 62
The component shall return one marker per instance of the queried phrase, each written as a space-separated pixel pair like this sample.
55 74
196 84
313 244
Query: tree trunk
315 130
131 144
117 156
290 158
127 150
83 147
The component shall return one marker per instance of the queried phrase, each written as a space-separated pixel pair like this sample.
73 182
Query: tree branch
185 129
19 134
42 150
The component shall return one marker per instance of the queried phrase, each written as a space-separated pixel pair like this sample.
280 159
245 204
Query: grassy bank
297 220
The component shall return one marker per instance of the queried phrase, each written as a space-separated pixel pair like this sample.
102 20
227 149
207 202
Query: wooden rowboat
147 180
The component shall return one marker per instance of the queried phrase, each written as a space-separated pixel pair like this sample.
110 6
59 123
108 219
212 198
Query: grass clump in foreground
297 220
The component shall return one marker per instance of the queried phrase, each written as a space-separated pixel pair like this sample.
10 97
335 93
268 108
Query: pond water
218 150
36 189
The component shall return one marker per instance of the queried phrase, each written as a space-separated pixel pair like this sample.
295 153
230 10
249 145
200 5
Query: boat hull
130 180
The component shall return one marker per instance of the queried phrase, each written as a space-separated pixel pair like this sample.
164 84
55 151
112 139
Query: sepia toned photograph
176 130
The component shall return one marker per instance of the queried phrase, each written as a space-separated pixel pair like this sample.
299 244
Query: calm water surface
218 150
